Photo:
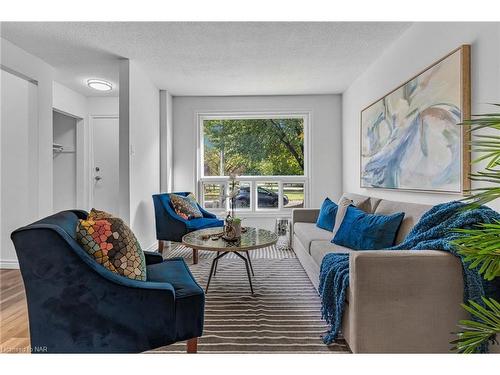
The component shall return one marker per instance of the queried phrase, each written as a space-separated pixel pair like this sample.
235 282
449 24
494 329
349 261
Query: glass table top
253 238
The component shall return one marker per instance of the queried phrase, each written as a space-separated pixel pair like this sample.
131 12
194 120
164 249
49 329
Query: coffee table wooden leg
192 345
195 256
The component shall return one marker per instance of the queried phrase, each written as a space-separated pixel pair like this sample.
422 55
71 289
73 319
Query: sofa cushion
203 222
98 215
113 244
320 248
363 202
327 215
363 231
413 213
307 232
186 207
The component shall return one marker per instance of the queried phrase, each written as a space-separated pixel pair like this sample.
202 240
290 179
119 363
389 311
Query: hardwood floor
14 328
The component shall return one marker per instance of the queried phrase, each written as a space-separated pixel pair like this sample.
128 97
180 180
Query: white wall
18 195
26 146
68 101
140 118
34 68
166 141
418 47
124 140
103 105
325 135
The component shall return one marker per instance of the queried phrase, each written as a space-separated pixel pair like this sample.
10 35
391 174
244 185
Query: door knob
98 178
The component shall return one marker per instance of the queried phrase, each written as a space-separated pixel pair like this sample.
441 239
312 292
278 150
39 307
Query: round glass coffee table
251 239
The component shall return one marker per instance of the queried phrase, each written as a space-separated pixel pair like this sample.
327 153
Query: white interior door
105 164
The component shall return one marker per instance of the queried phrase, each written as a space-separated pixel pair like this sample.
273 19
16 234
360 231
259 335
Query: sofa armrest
404 300
169 226
304 215
152 257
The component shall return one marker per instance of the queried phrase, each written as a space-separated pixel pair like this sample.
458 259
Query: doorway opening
64 161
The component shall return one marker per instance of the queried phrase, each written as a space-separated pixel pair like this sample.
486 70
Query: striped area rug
283 315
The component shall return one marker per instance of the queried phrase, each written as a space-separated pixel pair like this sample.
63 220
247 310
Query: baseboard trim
9 264
152 247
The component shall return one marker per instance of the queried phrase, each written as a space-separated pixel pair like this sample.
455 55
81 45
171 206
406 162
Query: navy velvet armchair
171 227
76 305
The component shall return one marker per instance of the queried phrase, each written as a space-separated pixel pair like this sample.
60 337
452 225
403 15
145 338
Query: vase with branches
233 193
481 246
232 228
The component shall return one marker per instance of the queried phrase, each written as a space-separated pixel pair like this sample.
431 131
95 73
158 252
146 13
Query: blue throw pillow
362 231
327 213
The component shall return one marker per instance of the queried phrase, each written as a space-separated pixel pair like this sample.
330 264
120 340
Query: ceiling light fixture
99 84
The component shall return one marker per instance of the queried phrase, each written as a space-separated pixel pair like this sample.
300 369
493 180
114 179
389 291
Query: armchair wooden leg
192 345
160 246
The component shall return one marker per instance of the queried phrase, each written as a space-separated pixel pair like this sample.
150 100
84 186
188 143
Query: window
243 198
268 153
267 195
253 147
293 195
214 195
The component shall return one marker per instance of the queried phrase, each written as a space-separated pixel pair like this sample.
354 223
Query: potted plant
481 246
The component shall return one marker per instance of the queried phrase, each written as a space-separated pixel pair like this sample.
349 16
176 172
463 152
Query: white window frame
254 210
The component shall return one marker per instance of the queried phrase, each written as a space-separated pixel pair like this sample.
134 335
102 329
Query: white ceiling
210 58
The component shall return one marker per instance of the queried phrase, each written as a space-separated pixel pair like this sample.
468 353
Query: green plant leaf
484 329
480 247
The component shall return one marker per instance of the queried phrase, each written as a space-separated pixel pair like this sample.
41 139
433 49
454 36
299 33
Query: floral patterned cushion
111 242
185 207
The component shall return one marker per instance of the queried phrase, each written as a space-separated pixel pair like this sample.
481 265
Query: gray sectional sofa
399 301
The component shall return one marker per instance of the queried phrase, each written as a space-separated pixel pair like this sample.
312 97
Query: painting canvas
410 139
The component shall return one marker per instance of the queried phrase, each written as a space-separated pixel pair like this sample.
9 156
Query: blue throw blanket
432 232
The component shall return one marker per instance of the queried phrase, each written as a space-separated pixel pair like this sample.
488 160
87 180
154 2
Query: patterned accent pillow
99 215
112 244
185 207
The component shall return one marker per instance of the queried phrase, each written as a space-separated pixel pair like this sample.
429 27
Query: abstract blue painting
410 139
